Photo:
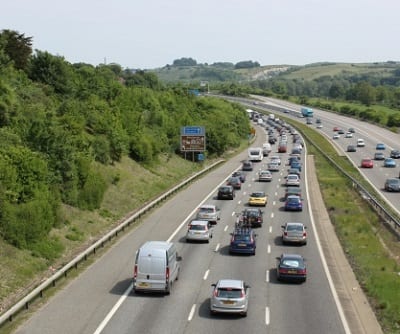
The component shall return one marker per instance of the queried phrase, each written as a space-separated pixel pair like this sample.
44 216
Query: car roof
294 223
393 179
258 193
292 256
207 206
198 222
230 283
293 196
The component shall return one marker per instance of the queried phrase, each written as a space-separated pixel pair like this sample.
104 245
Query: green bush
91 195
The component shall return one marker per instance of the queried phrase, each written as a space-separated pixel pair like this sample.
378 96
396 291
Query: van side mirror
214 285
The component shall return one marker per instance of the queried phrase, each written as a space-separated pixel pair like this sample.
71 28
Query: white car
348 135
293 180
360 142
199 230
275 159
336 136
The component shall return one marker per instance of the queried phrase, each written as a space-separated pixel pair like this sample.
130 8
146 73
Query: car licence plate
228 302
292 271
242 245
143 285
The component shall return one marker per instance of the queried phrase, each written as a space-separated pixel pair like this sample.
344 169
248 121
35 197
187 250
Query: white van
255 154
266 149
157 266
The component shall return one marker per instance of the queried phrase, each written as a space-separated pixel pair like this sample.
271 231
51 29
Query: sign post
193 139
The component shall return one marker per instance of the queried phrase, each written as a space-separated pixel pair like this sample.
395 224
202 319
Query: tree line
58 120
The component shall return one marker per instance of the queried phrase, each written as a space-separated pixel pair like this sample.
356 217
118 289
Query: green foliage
92 192
50 249
247 64
51 70
17 47
184 62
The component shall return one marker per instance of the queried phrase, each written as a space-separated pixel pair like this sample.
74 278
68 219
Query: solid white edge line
191 314
323 260
110 314
114 309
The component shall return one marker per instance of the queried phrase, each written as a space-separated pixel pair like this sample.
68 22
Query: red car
367 163
336 128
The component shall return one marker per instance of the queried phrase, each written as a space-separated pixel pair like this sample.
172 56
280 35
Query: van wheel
169 289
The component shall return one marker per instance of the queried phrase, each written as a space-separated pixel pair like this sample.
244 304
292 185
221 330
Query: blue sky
152 33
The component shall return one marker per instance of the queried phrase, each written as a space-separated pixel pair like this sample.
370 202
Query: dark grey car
392 184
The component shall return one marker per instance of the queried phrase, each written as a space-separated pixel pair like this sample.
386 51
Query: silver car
208 212
199 230
294 233
293 180
264 175
230 296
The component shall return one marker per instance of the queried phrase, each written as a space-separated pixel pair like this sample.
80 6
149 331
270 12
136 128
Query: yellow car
258 198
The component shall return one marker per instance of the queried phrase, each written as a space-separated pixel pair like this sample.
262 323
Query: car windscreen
197 227
242 237
229 293
294 228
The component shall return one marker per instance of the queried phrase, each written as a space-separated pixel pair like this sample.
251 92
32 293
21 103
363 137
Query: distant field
310 72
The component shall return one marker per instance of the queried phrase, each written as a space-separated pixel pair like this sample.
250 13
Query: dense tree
185 62
247 64
17 47
51 70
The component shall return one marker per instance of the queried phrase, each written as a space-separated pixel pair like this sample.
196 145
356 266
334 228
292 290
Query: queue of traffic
158 264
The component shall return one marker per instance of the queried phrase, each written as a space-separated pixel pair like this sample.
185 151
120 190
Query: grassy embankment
131 185
373 251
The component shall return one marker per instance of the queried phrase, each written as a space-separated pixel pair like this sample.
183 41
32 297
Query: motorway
371 134
100 300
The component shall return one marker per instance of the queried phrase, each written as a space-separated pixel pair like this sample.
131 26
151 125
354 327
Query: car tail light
135 272
285 234
242 293
283 271
302 271
215 293
304 234
167 274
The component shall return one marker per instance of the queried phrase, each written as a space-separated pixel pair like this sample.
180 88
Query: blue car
293 203
389 162
296 164
243 241
380 146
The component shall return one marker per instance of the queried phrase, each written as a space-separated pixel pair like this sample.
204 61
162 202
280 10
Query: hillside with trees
60 121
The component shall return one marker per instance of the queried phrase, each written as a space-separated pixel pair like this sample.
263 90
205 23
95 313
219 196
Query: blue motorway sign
193 131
